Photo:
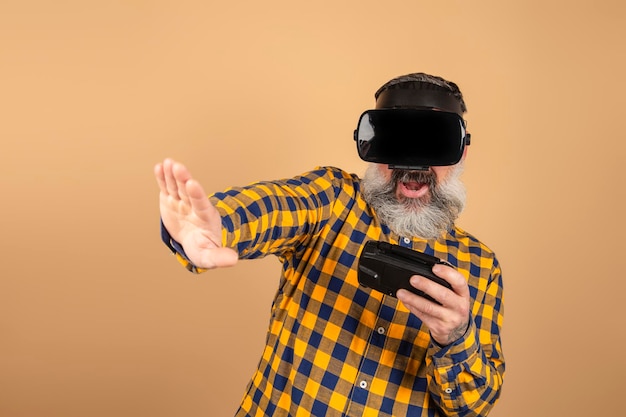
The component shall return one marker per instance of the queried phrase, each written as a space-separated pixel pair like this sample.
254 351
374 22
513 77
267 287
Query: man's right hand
190 218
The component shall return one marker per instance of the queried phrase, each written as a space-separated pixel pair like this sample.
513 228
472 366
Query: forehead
419 98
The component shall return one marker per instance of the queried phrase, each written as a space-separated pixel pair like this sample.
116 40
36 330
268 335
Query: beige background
96 319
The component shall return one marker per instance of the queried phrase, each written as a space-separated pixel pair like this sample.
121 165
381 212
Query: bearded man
335 347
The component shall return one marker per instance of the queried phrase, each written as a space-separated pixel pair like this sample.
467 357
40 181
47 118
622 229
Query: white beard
426 217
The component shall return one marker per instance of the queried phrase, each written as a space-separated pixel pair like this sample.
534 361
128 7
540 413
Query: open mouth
412 189
413 184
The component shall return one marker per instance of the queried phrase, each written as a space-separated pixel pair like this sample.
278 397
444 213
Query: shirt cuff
459 351
177 249
174 246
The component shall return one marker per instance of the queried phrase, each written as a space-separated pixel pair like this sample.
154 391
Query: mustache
424 177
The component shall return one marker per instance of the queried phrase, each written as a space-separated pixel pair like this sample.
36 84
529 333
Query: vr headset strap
419 98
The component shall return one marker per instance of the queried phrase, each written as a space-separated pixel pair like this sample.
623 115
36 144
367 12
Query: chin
414 203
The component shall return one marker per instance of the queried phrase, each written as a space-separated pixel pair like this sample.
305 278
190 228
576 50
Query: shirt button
448 390
381 330
363 384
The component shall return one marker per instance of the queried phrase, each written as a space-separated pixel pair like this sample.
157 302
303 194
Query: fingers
160 177
196 198
448 321
170 181
454 278
181 177
421 306
172 178
455 299
443 295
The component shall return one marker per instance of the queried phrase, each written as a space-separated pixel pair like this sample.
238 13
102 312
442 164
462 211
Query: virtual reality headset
411 139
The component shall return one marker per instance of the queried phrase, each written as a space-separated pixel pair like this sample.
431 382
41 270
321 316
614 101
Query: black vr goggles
412 139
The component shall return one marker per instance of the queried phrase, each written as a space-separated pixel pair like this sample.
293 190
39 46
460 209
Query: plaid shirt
335 348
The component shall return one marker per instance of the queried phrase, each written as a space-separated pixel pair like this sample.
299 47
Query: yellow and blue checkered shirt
337 349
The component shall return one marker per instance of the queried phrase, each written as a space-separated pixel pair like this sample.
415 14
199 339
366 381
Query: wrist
456 334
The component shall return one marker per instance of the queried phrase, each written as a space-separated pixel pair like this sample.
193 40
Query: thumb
218 257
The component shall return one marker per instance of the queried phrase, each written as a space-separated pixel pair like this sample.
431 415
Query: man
334 347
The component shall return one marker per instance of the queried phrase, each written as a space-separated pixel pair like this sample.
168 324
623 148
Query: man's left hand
447 322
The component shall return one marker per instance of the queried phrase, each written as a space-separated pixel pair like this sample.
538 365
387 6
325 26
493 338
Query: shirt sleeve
274 217
277 217
466 377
